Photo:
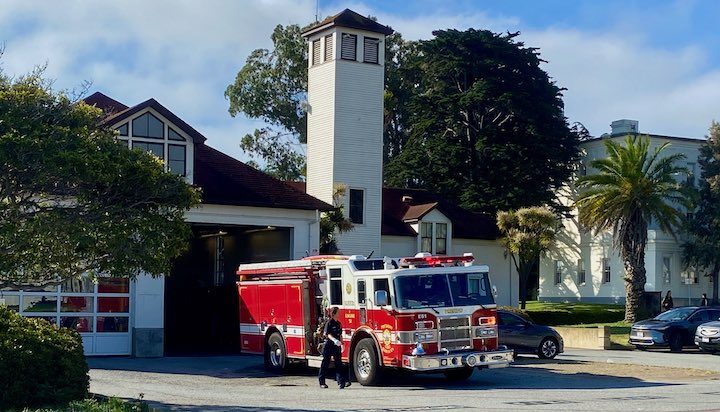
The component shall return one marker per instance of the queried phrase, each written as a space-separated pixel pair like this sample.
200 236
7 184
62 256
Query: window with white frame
316 52
606 270
426 235
371 49
150 134
557 271
580 272
357 206
440 238
348 47
328 47
689 276
666 269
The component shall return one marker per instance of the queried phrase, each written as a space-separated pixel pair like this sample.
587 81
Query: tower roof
350 19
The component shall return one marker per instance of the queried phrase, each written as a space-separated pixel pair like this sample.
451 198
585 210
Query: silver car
707 337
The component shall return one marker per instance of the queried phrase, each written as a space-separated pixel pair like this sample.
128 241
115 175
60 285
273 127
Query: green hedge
555 314
40 364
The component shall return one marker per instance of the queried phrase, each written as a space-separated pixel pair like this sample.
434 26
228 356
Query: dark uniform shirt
333 328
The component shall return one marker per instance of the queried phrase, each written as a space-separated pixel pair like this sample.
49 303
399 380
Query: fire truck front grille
455 333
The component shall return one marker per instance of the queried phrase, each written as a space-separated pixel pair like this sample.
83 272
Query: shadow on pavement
526 373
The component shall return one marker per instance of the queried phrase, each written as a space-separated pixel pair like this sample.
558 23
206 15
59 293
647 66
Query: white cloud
185 53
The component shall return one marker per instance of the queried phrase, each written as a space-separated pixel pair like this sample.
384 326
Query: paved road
239 383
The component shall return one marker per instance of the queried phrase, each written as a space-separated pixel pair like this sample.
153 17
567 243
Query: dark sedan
674 328
526 337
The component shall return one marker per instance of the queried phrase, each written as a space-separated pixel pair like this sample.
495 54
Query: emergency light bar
426 260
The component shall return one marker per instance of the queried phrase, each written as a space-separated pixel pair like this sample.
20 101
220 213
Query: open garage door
201 303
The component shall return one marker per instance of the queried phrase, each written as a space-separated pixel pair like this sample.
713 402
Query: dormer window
147 133
348 47
148 125
371 49
434 238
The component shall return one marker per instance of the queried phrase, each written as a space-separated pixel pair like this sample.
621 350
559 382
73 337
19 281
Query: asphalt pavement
689 358
239 383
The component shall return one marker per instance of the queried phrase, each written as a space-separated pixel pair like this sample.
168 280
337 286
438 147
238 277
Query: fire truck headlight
424 336
485 332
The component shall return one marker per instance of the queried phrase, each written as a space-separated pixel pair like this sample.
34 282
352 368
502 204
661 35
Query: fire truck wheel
275 353
459 374
365 363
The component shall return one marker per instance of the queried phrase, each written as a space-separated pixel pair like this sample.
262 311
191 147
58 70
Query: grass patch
555 314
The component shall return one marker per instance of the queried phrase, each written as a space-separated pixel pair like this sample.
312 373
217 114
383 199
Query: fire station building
247 216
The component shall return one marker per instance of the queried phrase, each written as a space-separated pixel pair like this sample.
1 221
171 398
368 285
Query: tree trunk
633 253
523 274
714 277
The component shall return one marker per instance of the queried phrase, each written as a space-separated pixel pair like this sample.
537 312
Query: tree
632 188
527 234
73 199
488 129
703 228
334 221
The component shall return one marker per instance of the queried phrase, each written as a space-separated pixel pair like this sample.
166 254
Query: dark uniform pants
330 349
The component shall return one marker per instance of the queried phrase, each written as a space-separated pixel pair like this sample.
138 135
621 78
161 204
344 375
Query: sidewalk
689 358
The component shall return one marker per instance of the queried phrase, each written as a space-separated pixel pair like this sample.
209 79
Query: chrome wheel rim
549 349
364 365
275 354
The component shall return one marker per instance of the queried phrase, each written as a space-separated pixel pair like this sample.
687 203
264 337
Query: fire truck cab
422 313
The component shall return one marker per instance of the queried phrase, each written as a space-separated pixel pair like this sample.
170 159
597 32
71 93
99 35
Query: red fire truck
423 313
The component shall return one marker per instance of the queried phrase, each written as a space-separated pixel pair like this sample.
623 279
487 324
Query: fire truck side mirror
381 298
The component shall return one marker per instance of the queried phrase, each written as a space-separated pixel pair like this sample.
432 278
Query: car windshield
675 314
443 290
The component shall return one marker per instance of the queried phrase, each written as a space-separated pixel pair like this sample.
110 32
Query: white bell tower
345 122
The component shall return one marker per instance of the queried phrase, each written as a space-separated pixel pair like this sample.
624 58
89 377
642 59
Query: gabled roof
401 207
155 105
350 19
104 103
417 212
228 181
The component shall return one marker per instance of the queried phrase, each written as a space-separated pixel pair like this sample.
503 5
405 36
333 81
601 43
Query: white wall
398 246
502 272
345 131
574 243
148 302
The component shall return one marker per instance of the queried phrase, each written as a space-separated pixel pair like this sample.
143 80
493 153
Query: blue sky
657 62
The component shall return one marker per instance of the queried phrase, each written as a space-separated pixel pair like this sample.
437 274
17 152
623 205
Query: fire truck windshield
443 290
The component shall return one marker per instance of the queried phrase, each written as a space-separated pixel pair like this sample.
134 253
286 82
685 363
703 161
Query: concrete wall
585 338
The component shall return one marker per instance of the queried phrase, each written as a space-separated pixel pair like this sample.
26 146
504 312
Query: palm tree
631 189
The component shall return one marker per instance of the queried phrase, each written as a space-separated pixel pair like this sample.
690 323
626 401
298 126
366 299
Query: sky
657 62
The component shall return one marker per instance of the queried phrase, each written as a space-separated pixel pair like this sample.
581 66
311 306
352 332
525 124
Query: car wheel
366 366
275 353
548 349
459 374
676 342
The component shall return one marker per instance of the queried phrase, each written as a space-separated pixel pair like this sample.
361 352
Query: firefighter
333 348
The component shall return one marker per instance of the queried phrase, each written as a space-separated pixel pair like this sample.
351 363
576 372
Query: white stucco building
586 268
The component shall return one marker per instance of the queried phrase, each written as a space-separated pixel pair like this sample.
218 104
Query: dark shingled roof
227 181
106 104
397 215
350 19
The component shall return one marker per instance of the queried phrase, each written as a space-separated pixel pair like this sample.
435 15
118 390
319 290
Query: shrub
40 364
101 405
554 314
